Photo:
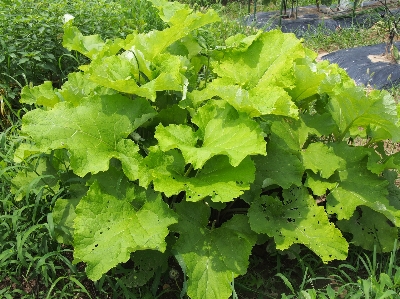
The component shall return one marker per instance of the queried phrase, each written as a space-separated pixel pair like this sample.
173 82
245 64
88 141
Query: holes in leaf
291 220
264 207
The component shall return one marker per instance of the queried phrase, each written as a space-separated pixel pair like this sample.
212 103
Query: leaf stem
236 210
206 73
189 170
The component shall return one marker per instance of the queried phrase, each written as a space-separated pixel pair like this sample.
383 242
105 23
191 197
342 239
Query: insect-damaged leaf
369 229
297 219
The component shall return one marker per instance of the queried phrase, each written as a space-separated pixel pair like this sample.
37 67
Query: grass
34 265
362 275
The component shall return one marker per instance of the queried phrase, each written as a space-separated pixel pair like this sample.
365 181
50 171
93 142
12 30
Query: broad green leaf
213 257
358 186
40 95
217 179
114 182
107 230
266 71
270 99
169 115
92 142
92 46
307 81
356 113
169 11
280 167
63 218
319 124
182 21
241 42
298 220
288 135
321 159
318 185
378 164
227 133
188 47
336 78
147 263
78 87
268 61
369 229
24 151
259 101
126 74
132 161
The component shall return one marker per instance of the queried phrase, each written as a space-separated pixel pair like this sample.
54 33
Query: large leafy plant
166 148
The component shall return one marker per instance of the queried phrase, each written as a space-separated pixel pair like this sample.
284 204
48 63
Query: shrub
166 148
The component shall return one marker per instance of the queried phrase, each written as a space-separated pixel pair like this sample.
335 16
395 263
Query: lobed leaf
182 21
124 73
356 113
63 216
358 186
40 95
321 159
268 61
223 132
319 185
107 230
92 46
297 219
369 229
212 257
217 179
92 142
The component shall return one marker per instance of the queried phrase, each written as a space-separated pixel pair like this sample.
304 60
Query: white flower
67 17
128 54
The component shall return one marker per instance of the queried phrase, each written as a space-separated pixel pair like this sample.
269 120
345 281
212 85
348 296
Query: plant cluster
31 36
160 146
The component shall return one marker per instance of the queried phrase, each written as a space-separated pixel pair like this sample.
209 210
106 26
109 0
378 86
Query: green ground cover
34 265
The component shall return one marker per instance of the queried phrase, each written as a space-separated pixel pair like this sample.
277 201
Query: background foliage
31 33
